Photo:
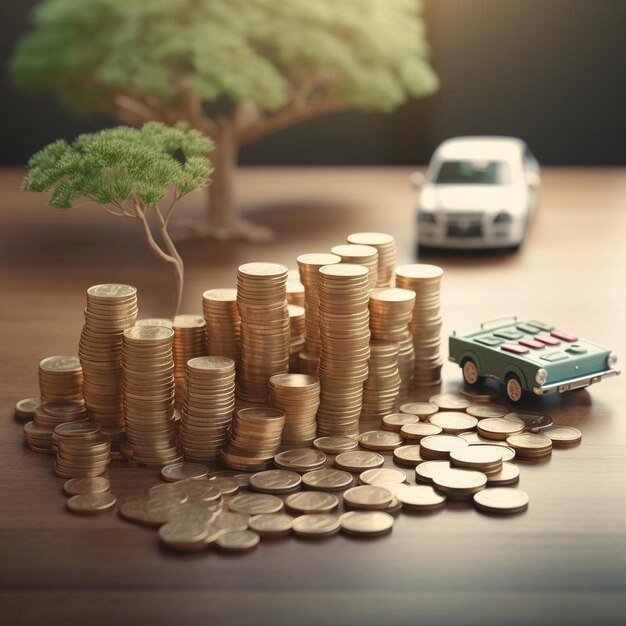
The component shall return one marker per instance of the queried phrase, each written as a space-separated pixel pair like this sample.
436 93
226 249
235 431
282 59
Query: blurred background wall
550 71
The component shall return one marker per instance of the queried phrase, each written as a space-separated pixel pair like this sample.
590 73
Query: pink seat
532 343
561 334
515 348
549 341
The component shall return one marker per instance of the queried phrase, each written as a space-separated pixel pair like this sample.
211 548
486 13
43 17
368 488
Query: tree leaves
121 164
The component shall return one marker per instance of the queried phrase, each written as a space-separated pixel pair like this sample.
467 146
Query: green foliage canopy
369 54
121 164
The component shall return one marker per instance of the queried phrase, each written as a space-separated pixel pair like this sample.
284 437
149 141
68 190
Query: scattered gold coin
238 541
563 436
367 523
501 500
91 503
271 525
79 486
181 471
316 526
310 502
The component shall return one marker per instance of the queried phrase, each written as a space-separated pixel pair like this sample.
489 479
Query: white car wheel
514 389
470 372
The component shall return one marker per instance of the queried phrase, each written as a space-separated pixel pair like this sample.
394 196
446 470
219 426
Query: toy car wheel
470 373
513 389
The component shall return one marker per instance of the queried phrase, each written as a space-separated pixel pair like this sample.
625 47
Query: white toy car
478 192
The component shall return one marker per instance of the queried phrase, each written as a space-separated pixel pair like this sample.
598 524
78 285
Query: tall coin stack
264 328
381 388
82 450
295 289
221 315
345 337
149 395
425 281
110 310
189 342
309 266
296 334
254 439
386 246
298 396
208 408
360 255
391 311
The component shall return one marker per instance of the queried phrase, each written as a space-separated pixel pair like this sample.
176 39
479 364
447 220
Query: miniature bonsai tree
128 172
235 70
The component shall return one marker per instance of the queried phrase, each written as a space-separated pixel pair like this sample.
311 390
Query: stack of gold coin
208 408
82 450
38 432
61 380
381 388
254 439
222 323
386 246
345 336
391 311
309 266
189 343
298 396
360 255
110 310
295 288
296 334
264 328
149 395
425 327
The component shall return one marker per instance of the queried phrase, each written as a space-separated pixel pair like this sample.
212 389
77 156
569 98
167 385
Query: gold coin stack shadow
111 309
149 388
386 246
264 328
190 341
382 386
219 307
208 407
345 336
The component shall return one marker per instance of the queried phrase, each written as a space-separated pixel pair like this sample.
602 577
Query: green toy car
529 357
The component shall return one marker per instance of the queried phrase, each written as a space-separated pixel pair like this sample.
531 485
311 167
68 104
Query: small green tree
128 172
235 70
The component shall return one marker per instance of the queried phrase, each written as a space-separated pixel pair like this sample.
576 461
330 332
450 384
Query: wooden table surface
561 562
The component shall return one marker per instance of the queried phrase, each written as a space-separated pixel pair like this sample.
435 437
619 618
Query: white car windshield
473 173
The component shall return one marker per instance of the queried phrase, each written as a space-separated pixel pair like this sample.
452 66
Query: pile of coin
110 310
81 449
425 327
189 342
296 334
298 397
386 246
295 288
219 307
345 336
309 266
391 311
149 395
382 386
254 439
360 255
264 328
208 407
61 380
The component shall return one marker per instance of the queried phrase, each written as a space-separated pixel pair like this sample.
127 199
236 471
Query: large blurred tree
236 70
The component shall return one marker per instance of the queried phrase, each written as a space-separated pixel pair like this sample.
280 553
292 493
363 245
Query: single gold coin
80 486
499 427
563 436
501 500
300 460
408 455
482 458
530 445
272 525
368 497
231 522
531 420
380 440
420 498
419 430
454 422
382 475
316 526
183 535
358 461
459 484
425 472
483 411
25 409
395 421
438 447
311 502
508 475
327 480
182 471
367 523
238 541
91 503
508 454
335 445
255 504
275 481
421 409
450 401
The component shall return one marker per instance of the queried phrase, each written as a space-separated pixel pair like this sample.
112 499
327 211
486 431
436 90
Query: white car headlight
541 376
611 360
